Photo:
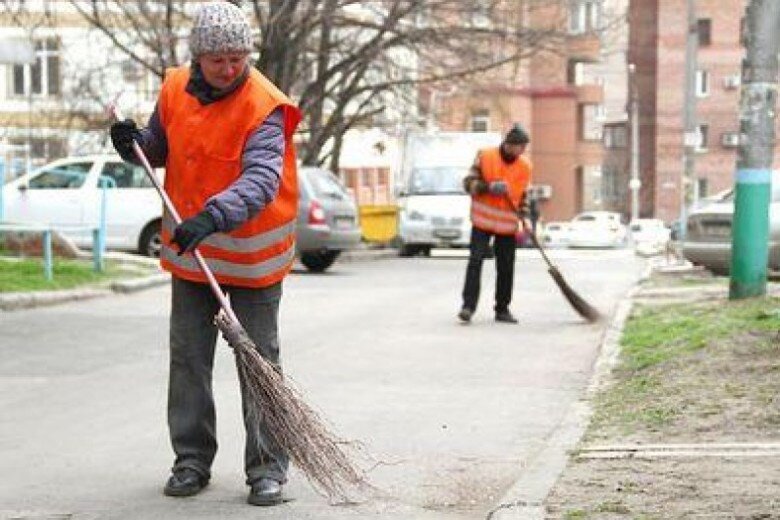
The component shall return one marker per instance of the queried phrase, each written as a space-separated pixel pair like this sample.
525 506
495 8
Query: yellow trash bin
379 222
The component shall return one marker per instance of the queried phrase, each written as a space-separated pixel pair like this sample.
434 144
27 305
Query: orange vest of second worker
205 145
495 213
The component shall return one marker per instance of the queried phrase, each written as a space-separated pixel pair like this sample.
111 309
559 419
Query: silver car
708 234
327 219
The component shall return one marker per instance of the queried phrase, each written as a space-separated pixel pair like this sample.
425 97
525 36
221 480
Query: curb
524 500
359 255
28 300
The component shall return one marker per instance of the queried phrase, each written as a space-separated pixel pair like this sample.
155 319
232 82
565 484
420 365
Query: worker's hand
525 208
192 231
122 135
498 187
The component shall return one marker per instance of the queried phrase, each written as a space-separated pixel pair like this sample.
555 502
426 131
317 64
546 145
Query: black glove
192 231
525 207
122 135
498 187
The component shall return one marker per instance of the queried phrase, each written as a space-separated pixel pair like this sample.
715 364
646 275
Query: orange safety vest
205 146
494 213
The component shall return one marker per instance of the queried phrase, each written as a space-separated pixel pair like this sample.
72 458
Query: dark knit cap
517 135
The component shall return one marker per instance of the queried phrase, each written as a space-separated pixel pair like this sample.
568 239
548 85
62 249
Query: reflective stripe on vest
230 271
239 245
489 218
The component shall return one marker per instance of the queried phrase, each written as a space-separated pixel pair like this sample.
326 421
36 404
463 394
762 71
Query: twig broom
295 426
579 304
582 307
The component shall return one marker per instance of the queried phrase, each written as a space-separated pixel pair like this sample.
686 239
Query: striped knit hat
220 27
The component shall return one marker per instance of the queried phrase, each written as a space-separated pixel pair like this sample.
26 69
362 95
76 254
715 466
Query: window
702 83
480 16
480 121
126 175
41 78
702 187
41 148
574 72
584 15
70 176
589 123
615 137
703 131
704 29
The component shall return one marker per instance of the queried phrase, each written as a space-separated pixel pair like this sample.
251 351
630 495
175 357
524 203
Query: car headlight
415 215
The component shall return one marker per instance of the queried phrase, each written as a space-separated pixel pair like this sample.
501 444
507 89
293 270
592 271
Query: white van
434 209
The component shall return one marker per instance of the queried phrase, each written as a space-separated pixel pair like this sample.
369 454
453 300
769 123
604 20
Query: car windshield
586 218
67 176
437 181
326 185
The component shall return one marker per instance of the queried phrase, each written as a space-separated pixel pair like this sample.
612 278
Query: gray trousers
191 414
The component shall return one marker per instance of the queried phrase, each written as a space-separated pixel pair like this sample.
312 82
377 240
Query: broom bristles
582 307
294 425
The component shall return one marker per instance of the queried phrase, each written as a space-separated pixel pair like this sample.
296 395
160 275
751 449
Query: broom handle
168 203
535 242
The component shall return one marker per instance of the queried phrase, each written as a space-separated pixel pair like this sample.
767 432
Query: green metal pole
48 270
750 226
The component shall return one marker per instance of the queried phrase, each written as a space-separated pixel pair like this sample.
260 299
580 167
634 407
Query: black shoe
505 317
185 483
465 315
265 492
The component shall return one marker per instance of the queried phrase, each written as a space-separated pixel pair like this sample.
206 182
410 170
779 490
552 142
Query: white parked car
597 229
650 231
65 194
555 234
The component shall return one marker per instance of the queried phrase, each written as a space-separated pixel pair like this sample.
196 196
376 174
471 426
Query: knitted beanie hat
220 27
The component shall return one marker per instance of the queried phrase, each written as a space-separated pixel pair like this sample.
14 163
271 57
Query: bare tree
347 63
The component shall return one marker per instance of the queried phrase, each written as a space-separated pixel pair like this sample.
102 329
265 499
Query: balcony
584 47
589 94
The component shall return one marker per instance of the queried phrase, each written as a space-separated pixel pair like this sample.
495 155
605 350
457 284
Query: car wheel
319 261
407 250
150 243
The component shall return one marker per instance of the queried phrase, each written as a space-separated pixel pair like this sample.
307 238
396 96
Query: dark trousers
504 247
191 414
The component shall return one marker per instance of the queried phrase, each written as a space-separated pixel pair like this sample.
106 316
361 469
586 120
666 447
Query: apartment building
657 47
56 82
558 95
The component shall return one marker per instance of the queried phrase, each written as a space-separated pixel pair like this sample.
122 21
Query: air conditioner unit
541 191
730 139
732 82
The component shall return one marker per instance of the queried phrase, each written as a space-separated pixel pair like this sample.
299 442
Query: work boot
505 317
185 482
265 492
465 314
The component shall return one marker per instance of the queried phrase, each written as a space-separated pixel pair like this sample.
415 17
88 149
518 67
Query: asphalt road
452 413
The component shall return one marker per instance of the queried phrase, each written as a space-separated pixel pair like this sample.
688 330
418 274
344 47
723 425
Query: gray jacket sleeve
153 142
261 171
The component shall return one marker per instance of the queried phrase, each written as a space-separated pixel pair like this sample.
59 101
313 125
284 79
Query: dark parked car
708 236
327 219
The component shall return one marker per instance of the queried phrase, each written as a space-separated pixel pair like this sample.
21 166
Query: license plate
449 234
717 230
343 222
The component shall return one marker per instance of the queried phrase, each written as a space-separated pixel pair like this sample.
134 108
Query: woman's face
221 69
